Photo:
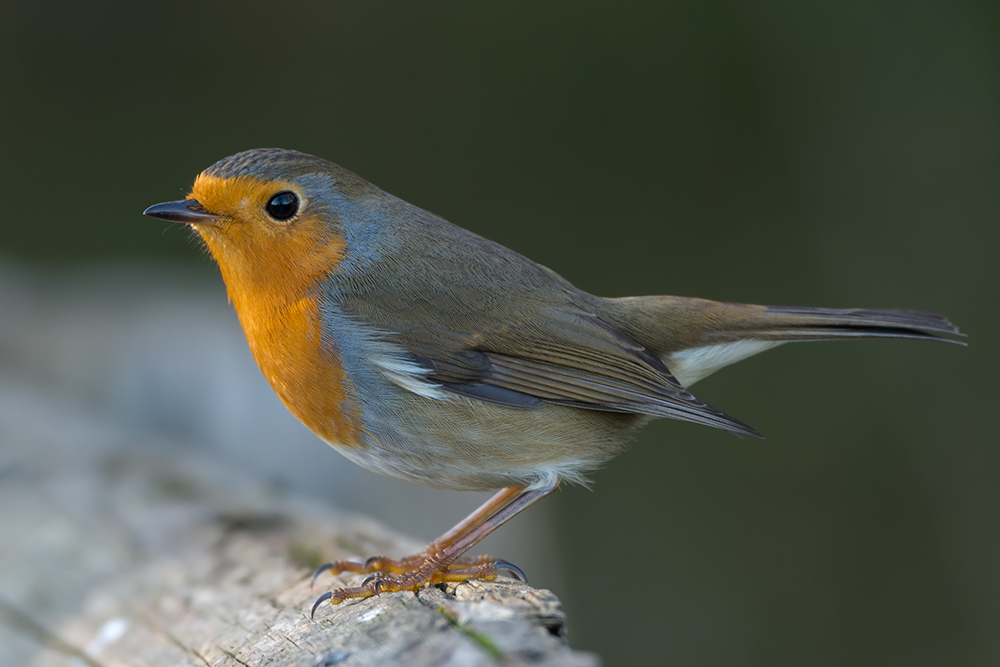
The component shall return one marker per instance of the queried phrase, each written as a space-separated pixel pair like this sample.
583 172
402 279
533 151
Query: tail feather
696 337
803 323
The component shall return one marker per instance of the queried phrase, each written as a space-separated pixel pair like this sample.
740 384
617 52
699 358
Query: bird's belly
465 444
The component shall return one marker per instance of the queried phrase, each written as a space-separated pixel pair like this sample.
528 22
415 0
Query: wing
562 355
484 322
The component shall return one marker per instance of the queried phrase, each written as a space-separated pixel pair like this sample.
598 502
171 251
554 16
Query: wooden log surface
114 553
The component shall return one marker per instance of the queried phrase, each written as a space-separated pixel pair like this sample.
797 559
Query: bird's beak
189 211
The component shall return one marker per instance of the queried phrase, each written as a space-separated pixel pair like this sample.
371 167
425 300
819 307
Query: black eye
283 205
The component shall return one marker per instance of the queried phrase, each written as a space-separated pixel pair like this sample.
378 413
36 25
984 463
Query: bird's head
272 216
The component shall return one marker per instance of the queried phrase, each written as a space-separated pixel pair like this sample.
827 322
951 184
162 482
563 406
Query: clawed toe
320 600
410 574
319 570
505 566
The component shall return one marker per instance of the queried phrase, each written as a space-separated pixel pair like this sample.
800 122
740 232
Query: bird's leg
441 560
398 566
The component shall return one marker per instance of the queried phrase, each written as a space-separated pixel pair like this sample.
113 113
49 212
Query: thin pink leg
441 560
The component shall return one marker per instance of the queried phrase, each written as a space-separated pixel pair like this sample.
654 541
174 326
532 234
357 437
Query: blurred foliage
825 153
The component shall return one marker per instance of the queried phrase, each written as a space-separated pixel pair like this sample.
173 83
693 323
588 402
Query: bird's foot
411 573
442 560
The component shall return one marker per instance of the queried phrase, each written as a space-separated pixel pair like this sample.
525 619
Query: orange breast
273 277
288 347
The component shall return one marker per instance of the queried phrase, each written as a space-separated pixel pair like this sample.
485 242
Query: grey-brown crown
270 164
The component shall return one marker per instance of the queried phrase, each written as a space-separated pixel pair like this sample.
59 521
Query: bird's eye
283 205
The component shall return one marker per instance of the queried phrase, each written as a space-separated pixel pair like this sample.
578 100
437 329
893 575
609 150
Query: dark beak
185 210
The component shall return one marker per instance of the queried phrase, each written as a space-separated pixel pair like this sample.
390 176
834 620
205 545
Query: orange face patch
272 271
255 248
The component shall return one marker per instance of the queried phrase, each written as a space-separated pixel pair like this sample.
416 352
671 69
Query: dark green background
822 153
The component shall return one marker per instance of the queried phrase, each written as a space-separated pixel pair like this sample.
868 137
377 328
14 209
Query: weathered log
158 556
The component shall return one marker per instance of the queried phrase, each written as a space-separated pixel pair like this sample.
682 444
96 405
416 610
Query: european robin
425 352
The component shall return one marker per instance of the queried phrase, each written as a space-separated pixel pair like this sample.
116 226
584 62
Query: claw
502 565
377 578
319 570
320 600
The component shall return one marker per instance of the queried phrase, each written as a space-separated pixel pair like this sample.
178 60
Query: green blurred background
824 153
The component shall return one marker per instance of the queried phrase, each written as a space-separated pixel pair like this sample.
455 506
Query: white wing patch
408 375
695 363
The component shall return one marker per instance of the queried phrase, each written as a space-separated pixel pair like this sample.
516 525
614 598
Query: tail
696 337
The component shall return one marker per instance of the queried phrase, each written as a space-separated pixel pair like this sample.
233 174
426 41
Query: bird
425 352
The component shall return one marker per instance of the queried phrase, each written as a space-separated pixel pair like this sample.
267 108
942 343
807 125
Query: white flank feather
409 376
